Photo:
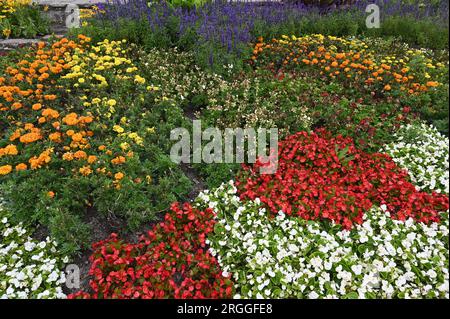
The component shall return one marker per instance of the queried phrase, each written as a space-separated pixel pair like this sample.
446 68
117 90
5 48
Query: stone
64 3
12 44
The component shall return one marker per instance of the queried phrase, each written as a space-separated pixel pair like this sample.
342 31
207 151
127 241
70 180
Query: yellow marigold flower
133 135
111 102
118 129
6 32
139 79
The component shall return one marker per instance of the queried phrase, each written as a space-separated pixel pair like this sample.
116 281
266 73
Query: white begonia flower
266 250
23 262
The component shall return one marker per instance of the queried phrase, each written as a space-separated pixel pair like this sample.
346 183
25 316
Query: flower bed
283 257
351 62
323 177
171 261
81 127
358 205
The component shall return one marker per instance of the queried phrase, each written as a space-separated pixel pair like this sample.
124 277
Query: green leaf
351 295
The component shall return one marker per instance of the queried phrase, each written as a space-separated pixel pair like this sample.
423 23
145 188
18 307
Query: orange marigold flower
71 119
36 106
91 159
432 83
80 155
15 135
49 97
118 160
51 194
77 137
21 167
30 137
8 150
387 87
16 106
67 156
85 170
43 158
55 137
86 119
118 176
48 112
101 147
5 169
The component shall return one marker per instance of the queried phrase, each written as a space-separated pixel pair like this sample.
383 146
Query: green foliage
25 22
187 3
